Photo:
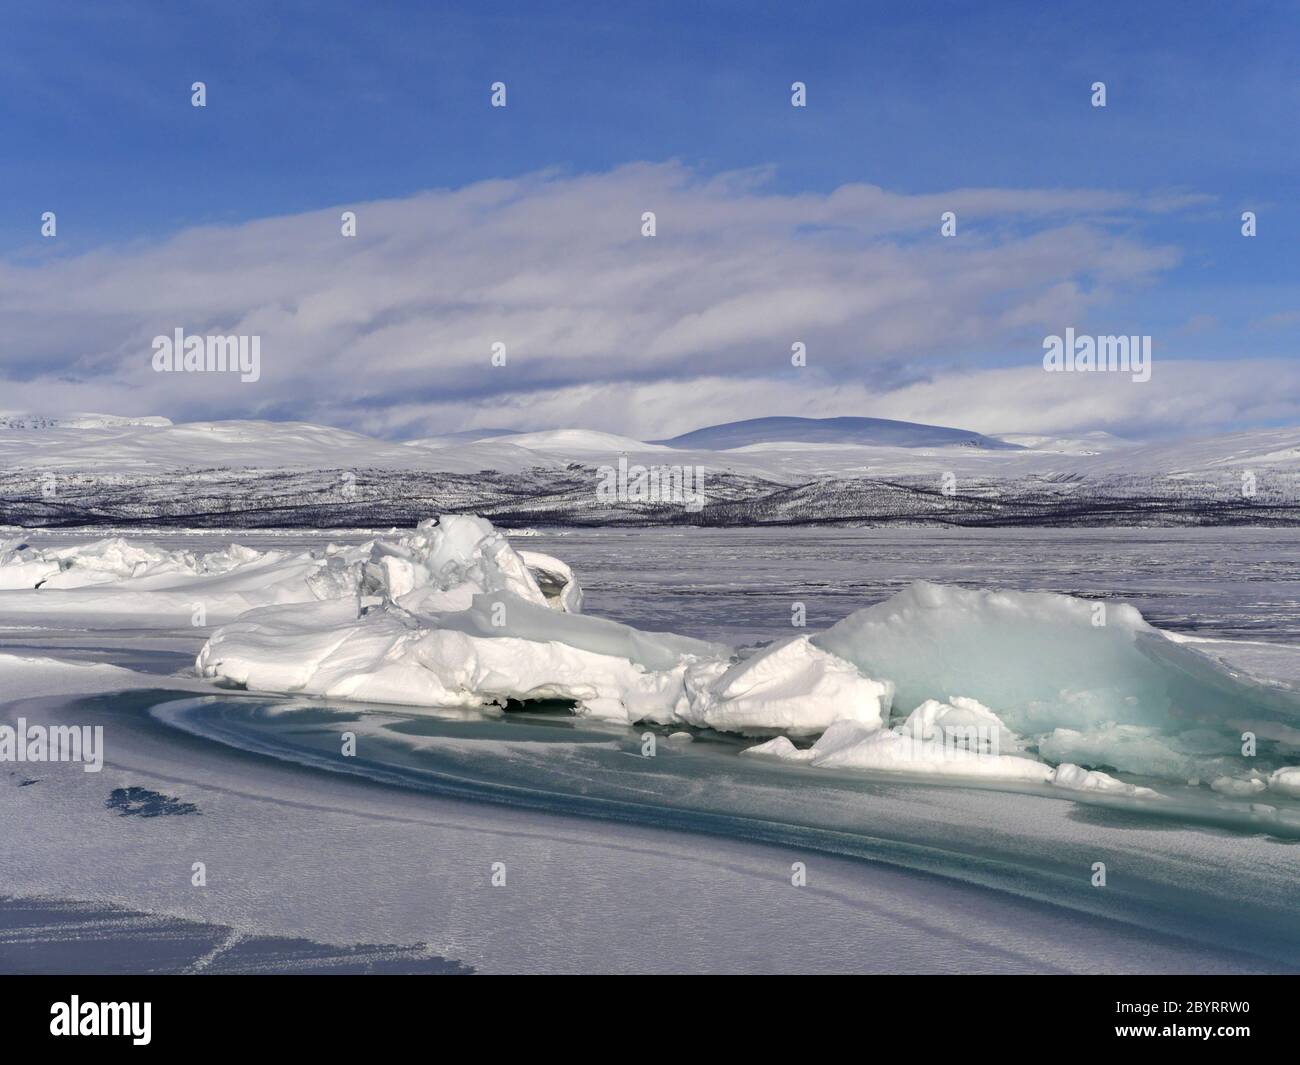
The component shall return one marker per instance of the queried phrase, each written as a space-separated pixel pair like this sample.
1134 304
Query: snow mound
112 561
960 719
443 565
852 745
438 566
794 686
500 648
454 616
1286 781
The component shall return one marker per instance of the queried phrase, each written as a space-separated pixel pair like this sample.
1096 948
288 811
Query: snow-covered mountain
103 470
580 441
23 420
1084 444
155 444
881 432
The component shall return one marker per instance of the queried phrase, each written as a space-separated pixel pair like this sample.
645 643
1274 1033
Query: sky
774 225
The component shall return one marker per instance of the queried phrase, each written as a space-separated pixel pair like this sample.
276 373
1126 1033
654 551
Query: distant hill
881 431
25 420
103 471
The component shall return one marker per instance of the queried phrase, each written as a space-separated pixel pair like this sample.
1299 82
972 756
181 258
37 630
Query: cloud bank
392 331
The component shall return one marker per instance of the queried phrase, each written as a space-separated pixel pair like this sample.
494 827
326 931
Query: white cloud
391 331
1181 397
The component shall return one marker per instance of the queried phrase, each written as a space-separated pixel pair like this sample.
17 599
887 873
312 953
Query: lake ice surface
920 877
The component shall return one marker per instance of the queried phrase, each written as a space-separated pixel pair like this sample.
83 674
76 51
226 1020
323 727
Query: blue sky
317 105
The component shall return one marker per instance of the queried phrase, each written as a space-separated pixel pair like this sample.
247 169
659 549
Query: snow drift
112 561
431 567
848 744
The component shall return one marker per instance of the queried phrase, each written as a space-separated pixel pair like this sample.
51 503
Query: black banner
302 1013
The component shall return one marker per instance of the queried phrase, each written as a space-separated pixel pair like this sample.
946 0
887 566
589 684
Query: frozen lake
319 861
739 585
